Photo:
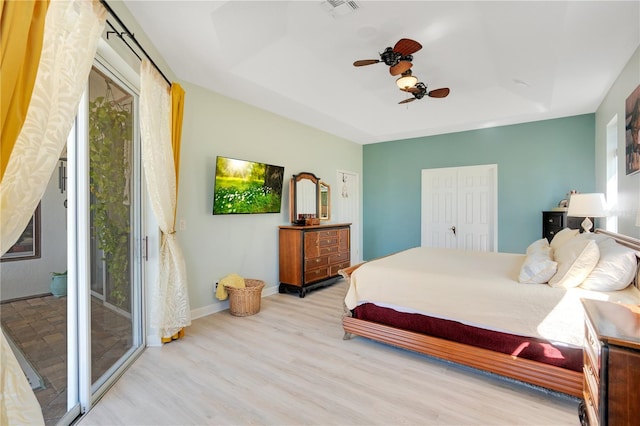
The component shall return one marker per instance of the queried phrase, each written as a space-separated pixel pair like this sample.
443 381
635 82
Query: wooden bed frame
533 372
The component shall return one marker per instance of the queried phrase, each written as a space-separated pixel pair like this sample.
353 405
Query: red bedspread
524 347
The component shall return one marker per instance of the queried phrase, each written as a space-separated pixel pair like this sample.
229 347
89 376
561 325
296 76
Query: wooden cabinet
611 364
311 256
554 221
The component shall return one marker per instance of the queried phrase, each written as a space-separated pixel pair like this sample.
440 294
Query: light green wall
538 163
612 106
245 244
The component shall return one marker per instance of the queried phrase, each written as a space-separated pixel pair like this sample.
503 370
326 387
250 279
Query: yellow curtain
21 32
177 110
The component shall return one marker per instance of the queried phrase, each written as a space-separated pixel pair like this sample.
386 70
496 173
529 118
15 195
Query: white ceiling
505 62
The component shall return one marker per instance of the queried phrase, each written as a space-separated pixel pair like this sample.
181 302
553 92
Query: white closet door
459 208
439 207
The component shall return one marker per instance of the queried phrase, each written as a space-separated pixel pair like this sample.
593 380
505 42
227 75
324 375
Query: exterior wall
23 278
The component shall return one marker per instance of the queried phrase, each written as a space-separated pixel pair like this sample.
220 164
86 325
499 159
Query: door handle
453 229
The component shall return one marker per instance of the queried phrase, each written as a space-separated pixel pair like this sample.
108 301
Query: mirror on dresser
304 193
324 201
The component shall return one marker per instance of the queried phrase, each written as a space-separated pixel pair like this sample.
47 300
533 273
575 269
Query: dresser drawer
315 262
316 274
592 412
330 233
324 250
338 258
553 220
593 351
328 241
591 384
551 231
335 268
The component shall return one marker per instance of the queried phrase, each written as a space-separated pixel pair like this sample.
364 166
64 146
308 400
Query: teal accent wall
538 163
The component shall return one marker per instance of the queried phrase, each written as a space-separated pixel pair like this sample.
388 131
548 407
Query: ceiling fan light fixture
406 81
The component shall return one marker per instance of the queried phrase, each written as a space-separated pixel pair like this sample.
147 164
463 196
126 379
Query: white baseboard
154 340
221 306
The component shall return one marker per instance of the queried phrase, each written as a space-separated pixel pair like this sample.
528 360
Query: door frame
352 184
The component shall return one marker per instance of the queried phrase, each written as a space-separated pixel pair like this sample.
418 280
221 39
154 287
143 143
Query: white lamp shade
587 205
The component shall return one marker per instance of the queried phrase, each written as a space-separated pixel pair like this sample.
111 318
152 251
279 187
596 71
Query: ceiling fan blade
407 46
406 101
439 93
401 67
413 89
365 62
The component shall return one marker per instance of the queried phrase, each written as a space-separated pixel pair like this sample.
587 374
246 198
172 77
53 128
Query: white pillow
576 259
541 245
598 238
562 237
615 270
538 266
537 269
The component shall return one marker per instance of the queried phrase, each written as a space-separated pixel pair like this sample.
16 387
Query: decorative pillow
615 270
562 237
537 268
576 259
541 245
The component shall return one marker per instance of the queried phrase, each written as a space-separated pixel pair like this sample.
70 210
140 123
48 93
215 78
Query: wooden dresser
611 364
311 256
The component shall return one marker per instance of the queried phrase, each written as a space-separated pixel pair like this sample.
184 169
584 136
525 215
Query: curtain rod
132 37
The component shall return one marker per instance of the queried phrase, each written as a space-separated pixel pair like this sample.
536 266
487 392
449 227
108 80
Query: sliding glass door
105 316
114 225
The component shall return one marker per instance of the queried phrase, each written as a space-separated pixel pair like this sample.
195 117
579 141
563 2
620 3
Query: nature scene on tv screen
246 187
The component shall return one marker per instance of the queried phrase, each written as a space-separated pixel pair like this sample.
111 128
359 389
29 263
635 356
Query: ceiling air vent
338 8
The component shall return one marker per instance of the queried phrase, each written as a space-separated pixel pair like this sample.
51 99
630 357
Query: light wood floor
288 365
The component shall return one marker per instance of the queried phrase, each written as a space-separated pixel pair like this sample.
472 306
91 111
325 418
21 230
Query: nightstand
611 364
554 221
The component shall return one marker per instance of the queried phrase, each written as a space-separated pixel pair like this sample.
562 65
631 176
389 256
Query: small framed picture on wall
28 245
632 132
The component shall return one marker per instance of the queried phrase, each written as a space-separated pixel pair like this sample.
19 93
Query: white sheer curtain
71 34
169 301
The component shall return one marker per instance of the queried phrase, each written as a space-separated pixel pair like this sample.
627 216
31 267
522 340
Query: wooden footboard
532 372
536 373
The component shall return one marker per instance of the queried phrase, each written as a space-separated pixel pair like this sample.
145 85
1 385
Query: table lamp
587 205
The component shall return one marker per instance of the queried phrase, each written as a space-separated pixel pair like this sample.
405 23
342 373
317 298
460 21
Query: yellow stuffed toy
231 280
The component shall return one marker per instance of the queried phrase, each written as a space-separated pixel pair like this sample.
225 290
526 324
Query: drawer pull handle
317 260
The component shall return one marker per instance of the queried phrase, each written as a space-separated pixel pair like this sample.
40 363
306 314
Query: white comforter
480 289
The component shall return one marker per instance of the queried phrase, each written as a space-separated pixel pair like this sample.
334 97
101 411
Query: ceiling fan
420 90
398 57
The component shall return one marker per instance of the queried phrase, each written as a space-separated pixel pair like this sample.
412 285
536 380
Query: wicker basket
245 301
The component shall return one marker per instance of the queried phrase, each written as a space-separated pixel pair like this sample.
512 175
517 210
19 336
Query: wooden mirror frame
294 215
324 201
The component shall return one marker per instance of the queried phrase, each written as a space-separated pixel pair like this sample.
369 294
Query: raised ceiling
505 62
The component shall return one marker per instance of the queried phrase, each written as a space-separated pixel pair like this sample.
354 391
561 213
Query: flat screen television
243 187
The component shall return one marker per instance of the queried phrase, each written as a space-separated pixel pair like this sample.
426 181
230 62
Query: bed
488 311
